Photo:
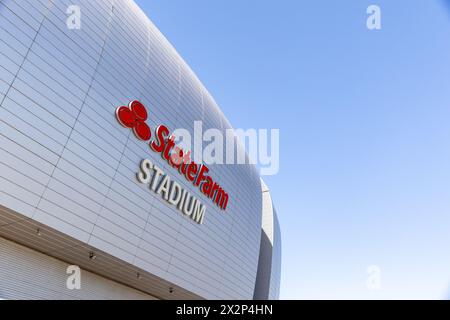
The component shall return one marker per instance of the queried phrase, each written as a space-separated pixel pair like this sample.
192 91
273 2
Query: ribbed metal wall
269 266
275 275
28 274
65 162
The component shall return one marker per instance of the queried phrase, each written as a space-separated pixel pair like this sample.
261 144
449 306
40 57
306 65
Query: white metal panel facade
269 265
28 274
275 274
65 161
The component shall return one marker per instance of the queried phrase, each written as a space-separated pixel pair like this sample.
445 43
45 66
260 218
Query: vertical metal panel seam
28 51
79 112
147 68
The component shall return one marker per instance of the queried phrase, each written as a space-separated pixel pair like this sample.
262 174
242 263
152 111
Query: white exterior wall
66 163
28 274
269 268
275 275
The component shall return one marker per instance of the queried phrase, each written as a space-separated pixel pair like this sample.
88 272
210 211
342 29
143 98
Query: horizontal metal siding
62 89
28 274
275 279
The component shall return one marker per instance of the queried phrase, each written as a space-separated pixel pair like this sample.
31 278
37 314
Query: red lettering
185 162
169 145
213 190
191 171
201 175
207 185
158 145
176 158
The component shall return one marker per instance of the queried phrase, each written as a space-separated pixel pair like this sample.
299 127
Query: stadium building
89 176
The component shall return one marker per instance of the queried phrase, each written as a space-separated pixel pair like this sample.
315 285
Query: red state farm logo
134 117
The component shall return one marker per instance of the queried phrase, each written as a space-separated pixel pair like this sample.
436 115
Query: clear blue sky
364 118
